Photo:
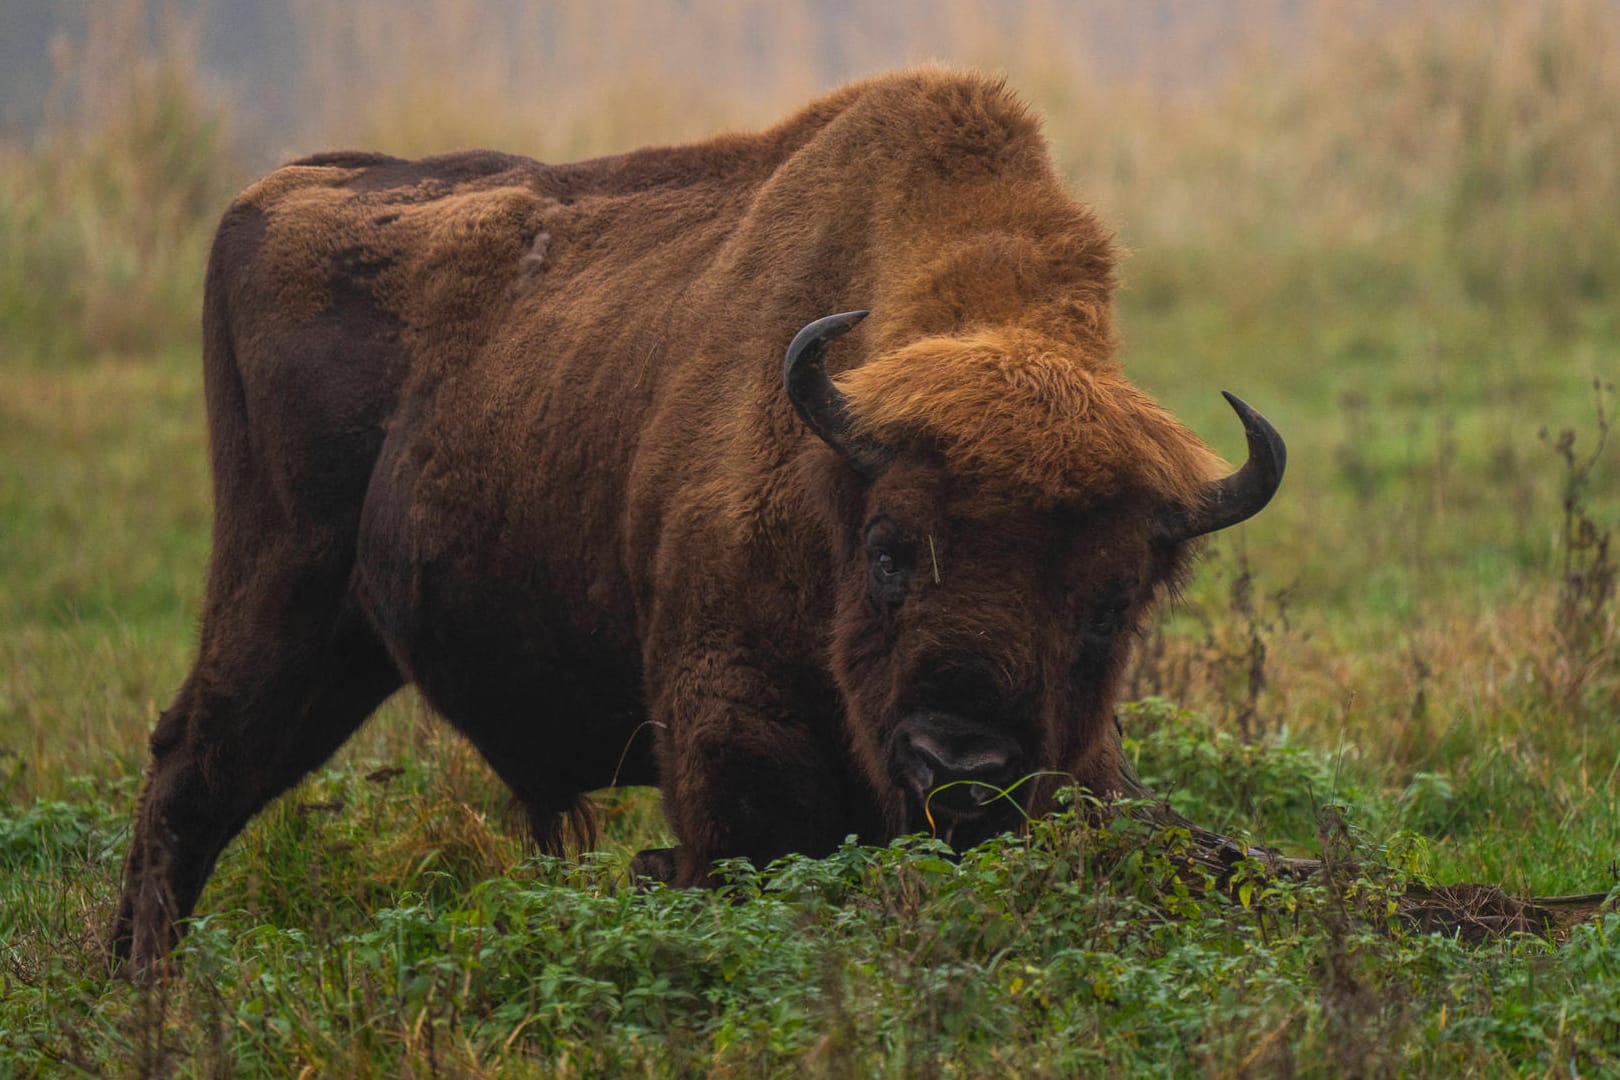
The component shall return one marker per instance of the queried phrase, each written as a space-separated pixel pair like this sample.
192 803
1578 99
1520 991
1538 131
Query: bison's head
1006 517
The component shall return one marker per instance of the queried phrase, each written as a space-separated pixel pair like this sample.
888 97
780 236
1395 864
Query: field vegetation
1394 233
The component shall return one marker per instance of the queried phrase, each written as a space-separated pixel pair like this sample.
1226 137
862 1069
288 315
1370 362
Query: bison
522 435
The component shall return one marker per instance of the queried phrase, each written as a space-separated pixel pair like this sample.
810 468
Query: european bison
521 435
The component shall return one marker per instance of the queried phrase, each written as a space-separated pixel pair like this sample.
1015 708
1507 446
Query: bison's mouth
958 777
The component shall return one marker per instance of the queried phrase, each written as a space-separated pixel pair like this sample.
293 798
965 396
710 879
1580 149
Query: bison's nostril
921 772
931 761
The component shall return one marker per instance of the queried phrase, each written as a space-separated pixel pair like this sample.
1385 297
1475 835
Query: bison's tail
237 476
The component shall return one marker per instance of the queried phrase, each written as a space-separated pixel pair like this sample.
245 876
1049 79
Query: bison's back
327 279
438 370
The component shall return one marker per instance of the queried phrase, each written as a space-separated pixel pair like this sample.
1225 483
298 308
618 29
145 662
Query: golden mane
1018 408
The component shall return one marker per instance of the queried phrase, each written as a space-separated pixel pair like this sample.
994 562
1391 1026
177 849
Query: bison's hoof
653 866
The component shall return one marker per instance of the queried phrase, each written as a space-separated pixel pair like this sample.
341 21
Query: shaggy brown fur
1004 404
517 434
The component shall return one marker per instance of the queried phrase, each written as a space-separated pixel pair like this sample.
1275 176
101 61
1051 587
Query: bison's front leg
747 772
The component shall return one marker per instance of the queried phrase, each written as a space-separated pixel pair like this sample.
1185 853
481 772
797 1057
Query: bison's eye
889 559
1108 617
1106 622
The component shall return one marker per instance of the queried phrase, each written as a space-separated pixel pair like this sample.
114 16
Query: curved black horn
819 403
1243 494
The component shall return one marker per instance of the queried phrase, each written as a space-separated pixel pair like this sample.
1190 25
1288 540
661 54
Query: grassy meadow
1396 236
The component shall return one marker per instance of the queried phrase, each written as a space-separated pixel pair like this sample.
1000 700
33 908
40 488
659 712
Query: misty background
272 63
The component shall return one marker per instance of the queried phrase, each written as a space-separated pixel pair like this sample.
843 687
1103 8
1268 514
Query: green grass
377 939
1404 253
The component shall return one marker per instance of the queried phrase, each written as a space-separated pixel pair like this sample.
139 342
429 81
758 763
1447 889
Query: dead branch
1474 912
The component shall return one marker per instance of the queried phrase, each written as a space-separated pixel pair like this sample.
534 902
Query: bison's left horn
819 403
1242 495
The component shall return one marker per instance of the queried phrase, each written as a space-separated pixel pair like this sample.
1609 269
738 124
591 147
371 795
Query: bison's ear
819 403
1242 495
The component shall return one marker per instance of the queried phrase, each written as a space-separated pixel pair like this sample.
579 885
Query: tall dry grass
1471 149
1488 129
106 214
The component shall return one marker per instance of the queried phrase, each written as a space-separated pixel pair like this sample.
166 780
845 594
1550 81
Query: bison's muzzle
957 773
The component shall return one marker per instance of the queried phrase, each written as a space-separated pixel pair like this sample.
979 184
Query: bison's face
979 639
981 629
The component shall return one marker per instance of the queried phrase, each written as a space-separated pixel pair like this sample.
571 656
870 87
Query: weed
1228 668
1584 626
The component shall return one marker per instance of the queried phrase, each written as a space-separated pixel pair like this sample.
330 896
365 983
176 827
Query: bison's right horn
1242 495
819 403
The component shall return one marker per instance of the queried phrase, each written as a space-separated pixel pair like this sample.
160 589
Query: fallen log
1474 912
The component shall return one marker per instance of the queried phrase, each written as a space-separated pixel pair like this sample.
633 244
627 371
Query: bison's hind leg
259 711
